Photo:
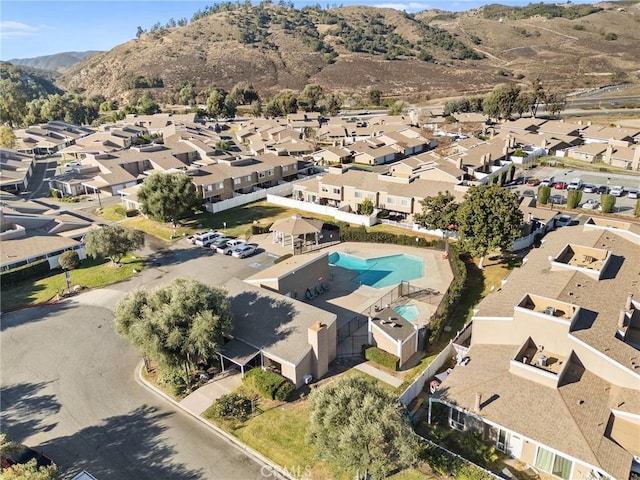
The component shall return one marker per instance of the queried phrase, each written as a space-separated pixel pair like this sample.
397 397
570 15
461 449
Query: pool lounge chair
319 289
310 294
325 286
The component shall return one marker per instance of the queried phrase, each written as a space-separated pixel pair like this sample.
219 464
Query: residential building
552 373
15 170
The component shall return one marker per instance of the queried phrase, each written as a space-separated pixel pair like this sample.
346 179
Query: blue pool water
408 312
380 272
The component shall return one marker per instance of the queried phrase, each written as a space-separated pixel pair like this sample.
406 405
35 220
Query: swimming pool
380 272
408 312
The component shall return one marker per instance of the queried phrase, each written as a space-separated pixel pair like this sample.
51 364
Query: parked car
557 199
560 185
533 182
207 238
546 182
230 246
633 193
243 251
575 184
602 189
617 190
589 188
591 204
219 242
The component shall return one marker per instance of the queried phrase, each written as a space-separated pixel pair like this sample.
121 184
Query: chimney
476 407
318 337
622 319
628 304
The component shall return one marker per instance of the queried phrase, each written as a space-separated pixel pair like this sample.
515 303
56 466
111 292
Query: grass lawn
113 213
91 274
495 271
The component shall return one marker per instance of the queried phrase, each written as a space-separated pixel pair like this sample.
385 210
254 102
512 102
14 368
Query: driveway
68 389
68 384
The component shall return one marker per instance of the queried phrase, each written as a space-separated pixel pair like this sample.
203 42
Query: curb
268 469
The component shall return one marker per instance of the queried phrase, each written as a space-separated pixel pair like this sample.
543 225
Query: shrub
69 260
258 229
379 356
611 36
284 391
230 407
132 212
360 234
263 382
573 198
26 272
174 380
578 26
607 201
56 194
637 210
544 193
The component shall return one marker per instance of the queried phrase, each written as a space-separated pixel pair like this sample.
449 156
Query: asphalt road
68 386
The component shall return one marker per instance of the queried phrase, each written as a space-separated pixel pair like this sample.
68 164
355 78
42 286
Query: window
336 191
457 419
248 178
501 443
404 202
371 196
219 185
261 174
209 188
553 463
285 168
391 200
270 172
236 181
325 189
357 194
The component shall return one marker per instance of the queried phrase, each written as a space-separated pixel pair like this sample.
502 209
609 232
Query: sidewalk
379 374
275 471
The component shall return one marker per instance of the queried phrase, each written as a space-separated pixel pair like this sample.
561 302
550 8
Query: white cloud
17 30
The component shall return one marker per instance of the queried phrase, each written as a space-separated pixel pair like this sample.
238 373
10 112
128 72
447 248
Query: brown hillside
290 48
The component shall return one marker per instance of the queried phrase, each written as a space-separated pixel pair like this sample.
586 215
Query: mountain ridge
58 62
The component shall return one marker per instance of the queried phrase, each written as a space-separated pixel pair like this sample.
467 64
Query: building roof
271 322
538 411
296 225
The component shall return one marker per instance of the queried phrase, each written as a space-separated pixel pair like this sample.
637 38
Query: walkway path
379 374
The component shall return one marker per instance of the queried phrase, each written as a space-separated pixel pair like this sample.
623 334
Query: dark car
602 189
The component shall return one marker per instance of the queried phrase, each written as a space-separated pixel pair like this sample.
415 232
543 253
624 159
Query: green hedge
379 356
267 384
131 212
607 201
284 391
360 234
26 272
230 406
453 294
258 230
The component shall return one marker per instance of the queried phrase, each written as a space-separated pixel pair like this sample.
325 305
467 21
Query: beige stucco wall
306 277
528 452
383 342
409 348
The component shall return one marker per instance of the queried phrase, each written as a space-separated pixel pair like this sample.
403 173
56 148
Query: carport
239 353
295 227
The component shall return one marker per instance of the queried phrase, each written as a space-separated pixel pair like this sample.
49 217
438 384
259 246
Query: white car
230 246
207 238
243 251
588 188
633 193
591 204
616 190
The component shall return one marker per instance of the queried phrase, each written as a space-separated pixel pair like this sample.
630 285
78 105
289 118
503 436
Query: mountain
55 63
350 50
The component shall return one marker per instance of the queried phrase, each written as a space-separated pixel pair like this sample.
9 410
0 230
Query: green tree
69 260
489 219
281 104
636 212
256 108
397 108
333 104
439 212
30 471
311 97
555 103
366 207
607 202
216 106
510 172
536 96
573 198
501 102
112 242
177 325
7 137
361 427
168 197
146 105
243 93
375 97
544 193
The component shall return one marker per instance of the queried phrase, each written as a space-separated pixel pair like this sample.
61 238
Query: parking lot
624 204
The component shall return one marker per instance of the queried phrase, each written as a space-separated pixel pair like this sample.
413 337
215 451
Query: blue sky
32 28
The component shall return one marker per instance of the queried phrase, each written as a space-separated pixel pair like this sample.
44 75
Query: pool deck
348 298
